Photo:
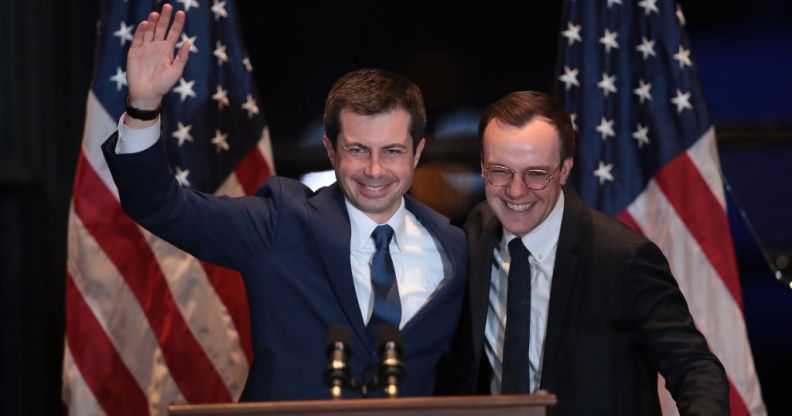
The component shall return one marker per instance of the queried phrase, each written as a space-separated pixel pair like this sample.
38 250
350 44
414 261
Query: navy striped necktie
516 366
387 305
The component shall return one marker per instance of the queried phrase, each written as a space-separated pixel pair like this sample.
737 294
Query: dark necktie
387 306
516 378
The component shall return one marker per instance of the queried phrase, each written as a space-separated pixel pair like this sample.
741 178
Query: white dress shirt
136 140
420 265
542 242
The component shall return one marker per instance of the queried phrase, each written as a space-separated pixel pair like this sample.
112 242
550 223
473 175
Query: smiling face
374 160
535 145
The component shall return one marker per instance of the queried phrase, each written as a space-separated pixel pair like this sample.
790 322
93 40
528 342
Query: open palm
152 68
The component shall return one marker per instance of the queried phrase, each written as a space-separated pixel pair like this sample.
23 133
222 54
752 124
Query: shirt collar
542 240
362 226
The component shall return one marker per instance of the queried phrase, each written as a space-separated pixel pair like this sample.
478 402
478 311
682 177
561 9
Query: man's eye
356 150
539 174
394 152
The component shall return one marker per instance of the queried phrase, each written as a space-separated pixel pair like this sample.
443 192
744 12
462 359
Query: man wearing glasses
564 298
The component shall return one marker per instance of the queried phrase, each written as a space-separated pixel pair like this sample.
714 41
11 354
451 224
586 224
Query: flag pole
778 273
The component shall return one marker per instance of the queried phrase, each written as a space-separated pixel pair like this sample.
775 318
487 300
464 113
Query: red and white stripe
683 210
147 325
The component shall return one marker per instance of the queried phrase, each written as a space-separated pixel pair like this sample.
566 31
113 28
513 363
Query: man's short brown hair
374 91
519 108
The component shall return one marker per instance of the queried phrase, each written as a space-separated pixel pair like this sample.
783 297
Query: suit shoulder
284 185
479 212
610 238
435 220
612 229
426 213
480 216
277 185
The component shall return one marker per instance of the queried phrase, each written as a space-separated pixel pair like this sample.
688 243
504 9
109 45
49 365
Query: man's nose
516 187
374 167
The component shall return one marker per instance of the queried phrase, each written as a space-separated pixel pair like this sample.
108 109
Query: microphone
336 374
390 349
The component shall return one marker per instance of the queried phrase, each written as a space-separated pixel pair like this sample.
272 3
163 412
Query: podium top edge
403 403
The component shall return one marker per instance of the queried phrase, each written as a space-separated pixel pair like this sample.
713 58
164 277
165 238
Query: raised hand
152 68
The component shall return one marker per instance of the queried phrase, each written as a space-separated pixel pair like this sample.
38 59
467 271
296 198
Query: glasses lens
536 178
499 177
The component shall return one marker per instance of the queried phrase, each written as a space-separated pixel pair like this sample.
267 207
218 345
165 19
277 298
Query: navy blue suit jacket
292 247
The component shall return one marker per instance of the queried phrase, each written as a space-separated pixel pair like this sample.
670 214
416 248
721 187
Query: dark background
463 57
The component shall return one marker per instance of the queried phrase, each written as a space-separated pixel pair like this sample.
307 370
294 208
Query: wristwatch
140 114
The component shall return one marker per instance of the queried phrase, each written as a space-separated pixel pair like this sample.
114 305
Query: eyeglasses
501 176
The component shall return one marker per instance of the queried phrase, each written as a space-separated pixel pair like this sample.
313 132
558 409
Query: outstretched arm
152 68
229 232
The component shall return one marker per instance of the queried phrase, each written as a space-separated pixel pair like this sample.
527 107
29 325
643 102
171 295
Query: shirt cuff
136 140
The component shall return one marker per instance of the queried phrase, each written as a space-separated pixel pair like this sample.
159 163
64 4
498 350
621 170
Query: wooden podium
507 405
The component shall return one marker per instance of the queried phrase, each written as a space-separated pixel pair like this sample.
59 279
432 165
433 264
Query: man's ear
566 167
328 145
418 151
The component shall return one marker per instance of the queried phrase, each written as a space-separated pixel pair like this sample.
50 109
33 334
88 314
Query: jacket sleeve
693 375
222 230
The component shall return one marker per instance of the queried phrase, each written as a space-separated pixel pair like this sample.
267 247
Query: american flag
646 153
148 325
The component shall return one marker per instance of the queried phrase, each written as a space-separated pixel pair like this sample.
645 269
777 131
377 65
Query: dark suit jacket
292 247
616 317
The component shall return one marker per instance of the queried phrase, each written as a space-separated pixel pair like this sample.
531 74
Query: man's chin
516 226
376 207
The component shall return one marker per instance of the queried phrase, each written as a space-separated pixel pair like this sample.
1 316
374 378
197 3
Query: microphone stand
778 271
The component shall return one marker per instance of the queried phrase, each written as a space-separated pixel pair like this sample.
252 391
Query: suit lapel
481 259
563 278
330 225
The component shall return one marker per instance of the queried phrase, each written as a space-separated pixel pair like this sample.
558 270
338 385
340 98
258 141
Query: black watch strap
140 114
